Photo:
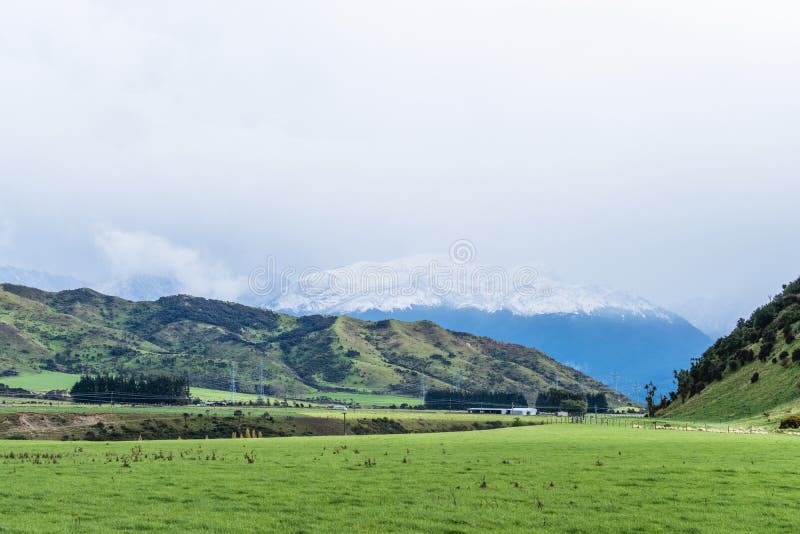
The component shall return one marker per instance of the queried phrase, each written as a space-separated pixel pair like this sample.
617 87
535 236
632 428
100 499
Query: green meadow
41 381
550 478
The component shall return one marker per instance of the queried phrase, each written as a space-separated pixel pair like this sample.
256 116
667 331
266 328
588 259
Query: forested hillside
754 368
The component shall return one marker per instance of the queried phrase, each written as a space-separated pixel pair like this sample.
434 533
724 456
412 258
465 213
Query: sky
646 146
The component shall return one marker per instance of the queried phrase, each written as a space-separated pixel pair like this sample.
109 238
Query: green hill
84 331
752 372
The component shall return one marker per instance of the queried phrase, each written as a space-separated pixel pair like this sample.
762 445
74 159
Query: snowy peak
424 282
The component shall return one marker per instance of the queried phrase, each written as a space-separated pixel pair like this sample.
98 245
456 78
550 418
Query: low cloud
136 254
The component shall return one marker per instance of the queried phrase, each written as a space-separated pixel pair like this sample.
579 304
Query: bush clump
793 421
754 378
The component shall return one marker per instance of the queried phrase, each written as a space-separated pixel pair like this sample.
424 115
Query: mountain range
213 342
622 339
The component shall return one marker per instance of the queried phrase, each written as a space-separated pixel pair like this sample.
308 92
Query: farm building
503 411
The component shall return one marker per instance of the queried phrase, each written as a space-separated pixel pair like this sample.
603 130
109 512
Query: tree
556 399
650 389
597 402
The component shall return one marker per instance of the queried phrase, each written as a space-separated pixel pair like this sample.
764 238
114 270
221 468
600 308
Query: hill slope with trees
752 371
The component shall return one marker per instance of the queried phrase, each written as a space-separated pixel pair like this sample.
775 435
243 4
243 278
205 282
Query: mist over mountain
34 278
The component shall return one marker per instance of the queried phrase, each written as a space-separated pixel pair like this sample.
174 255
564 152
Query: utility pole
233 383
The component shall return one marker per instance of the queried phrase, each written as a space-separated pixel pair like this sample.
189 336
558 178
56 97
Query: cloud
6 234
621 143
132 254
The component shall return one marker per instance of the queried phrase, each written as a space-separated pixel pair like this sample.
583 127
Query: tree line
154 389
563 400
459 399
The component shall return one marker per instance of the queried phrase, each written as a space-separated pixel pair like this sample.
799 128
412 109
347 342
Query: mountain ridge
84 330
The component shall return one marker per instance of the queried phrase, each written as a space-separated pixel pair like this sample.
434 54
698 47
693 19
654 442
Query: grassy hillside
754 371
85 331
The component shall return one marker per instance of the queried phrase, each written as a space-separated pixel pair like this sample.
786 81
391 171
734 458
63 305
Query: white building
503 411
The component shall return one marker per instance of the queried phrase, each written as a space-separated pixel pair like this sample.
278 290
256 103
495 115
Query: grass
557 478
41 381
368 399
212 395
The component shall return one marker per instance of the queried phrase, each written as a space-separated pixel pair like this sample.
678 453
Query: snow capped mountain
607 334
423 282
620 338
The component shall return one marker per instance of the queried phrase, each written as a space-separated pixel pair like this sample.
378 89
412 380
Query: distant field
367 399
211 395
43 381
556 478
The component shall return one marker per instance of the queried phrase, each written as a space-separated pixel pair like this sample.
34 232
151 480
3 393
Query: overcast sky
648 146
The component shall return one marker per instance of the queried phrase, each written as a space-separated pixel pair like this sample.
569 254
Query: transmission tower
233 383
261 380
615 377
422 388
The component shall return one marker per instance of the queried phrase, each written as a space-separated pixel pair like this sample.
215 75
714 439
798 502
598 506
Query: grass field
42 381
556 478
368 399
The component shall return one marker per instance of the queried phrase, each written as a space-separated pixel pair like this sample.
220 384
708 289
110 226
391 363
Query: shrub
733 365
783 355
754 378
793 421
796 355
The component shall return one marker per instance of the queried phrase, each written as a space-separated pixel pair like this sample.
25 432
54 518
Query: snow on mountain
424 282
